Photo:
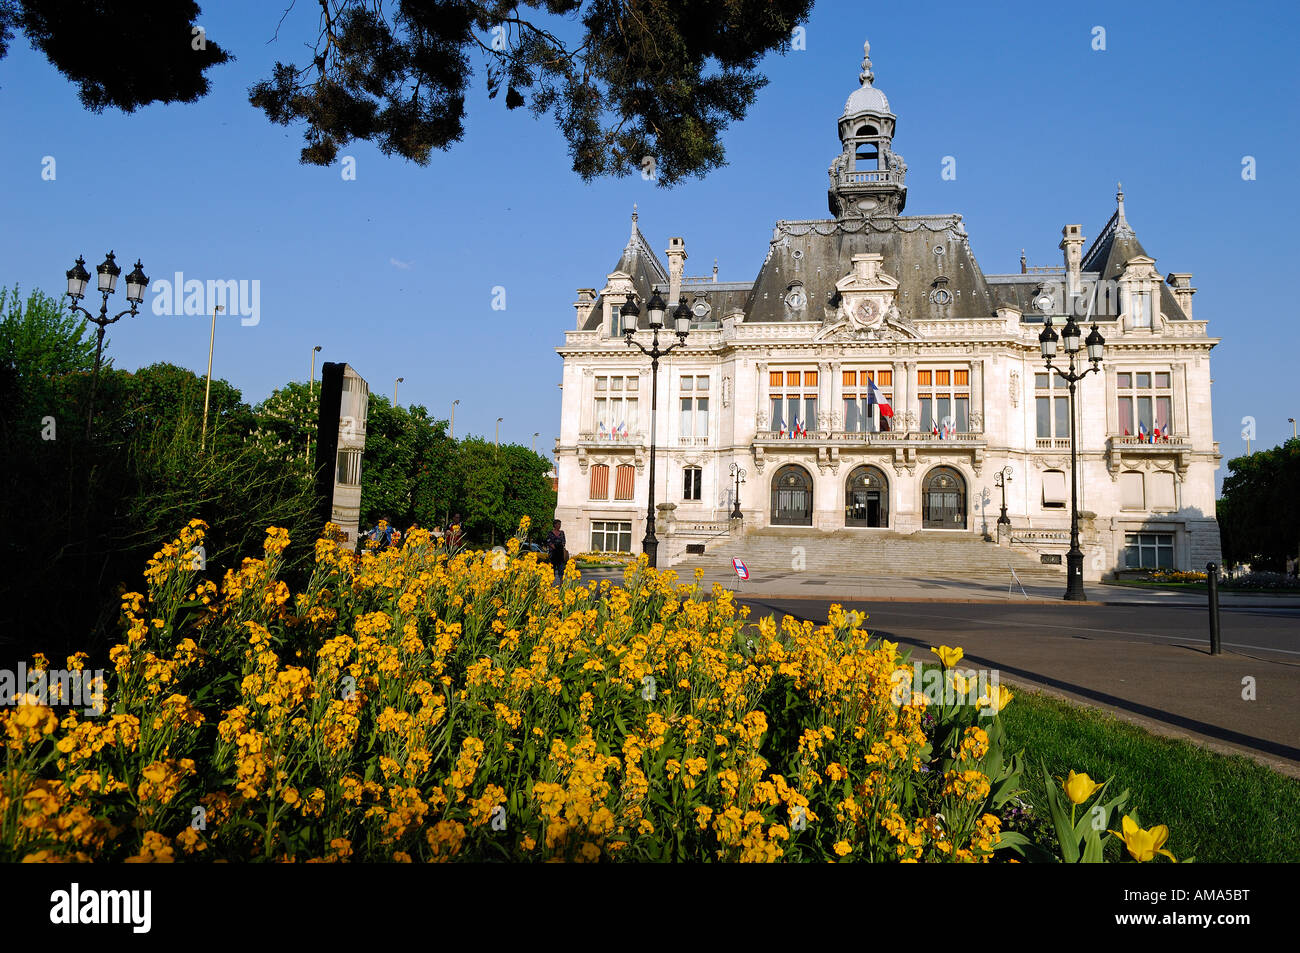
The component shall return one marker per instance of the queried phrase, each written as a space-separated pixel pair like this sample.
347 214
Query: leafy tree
40 338
1259 512
622 80
286 424
125 54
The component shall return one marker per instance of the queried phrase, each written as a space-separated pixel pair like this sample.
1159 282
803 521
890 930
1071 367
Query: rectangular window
692 483
791 378
624 481
809 379
1146 402
616 407
1149 550
945 403
776 380
793 401
1044 415
1141 309
688 417
850 378
1161 486
611 537
349 468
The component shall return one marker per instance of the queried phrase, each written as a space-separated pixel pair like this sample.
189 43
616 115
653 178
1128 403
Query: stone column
587 402
977 392
1180 422
1112 402
834 393
904 388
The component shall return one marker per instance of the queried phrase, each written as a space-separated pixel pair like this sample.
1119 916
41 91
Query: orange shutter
923 378
775 379
623 479
600 482
809 378
961 378
850 378
885 378
792 378
940 378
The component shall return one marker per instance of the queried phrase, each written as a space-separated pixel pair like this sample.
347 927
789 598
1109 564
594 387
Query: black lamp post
1001 479
136 283
1071 339
738 475
655 308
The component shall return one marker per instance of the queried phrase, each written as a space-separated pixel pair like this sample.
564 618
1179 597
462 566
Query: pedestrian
558 555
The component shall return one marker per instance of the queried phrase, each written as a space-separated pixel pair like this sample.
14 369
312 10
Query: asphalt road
1272 634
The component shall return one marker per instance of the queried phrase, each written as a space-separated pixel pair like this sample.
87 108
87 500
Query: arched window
943 499
792 497
866 498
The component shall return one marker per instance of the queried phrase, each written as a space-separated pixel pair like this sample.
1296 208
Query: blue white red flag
874 397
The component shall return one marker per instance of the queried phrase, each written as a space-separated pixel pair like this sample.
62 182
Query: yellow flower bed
419 705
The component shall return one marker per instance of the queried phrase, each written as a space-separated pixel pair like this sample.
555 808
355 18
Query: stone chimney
1181 283
586 300
1072 245
676 253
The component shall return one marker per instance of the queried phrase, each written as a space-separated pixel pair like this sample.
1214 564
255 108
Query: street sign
742 571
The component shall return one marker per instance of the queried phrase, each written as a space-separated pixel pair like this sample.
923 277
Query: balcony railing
855 437
631 438
874 177
693 441
1132 441
1052 443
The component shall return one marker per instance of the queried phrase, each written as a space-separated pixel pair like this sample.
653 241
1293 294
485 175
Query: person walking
555 548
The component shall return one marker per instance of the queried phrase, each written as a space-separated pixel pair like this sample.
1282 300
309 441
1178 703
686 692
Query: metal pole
1074 558
453 419
207 389
1212 583
94 379
650 545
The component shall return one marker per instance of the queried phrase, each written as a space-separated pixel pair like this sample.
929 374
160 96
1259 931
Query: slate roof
1116 244
819 253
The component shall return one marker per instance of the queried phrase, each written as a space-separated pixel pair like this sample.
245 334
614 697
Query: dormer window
1141 309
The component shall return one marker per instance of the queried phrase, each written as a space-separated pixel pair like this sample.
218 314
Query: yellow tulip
996 700
1143 845
1079 787
948 656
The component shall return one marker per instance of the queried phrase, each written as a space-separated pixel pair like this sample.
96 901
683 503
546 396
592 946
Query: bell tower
867 177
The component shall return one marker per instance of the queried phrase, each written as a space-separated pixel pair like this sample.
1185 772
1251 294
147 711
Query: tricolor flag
742 571
875 397
794 428
934 430
1142 432
803 429
1155 434
782 427
602 430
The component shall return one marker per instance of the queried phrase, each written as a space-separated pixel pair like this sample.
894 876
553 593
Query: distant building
344 408
786 374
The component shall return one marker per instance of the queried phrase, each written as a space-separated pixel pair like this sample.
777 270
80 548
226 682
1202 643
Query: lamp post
535 436
1001 479
311 381
395 383
738 477
1291 421
499 419
1071 340
655 308
136 283
207 388
453 418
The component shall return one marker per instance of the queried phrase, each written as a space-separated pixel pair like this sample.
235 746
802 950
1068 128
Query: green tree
41 338
622 80
1259 512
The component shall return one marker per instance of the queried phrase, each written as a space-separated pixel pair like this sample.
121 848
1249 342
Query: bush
416 705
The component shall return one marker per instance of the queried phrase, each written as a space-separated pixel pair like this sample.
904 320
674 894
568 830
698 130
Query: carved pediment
866 306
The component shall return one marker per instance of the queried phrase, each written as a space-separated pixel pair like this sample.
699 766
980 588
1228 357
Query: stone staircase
873 553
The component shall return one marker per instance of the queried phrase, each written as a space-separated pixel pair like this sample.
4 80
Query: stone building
788 376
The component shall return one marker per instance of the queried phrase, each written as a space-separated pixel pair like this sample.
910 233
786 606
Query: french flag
1142 432
782 426
875 397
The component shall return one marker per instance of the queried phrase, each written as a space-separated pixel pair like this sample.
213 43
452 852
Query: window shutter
599 482
623 481
1054 489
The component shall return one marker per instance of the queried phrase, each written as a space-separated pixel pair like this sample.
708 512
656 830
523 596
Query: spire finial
866 76
1024 263
1121 221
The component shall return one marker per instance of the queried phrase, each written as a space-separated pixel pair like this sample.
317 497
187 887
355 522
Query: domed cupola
867 177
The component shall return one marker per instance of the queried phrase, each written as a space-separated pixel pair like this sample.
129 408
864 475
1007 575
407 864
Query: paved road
1149 665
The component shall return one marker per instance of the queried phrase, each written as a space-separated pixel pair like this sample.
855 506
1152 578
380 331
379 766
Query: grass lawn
1217 808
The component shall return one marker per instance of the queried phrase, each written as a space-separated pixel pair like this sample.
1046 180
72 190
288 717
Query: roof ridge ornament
866 77
1121 222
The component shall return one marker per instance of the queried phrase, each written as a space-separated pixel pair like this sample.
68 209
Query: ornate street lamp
655 308
1001 479
737 474
136 283
1096 345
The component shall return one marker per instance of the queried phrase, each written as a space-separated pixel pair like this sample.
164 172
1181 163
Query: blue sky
395 271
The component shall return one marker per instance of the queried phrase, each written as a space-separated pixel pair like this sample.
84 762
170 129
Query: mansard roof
1105 260
639 263
924 252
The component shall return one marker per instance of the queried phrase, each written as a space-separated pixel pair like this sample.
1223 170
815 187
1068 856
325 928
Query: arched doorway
943 499
792 497
866 498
